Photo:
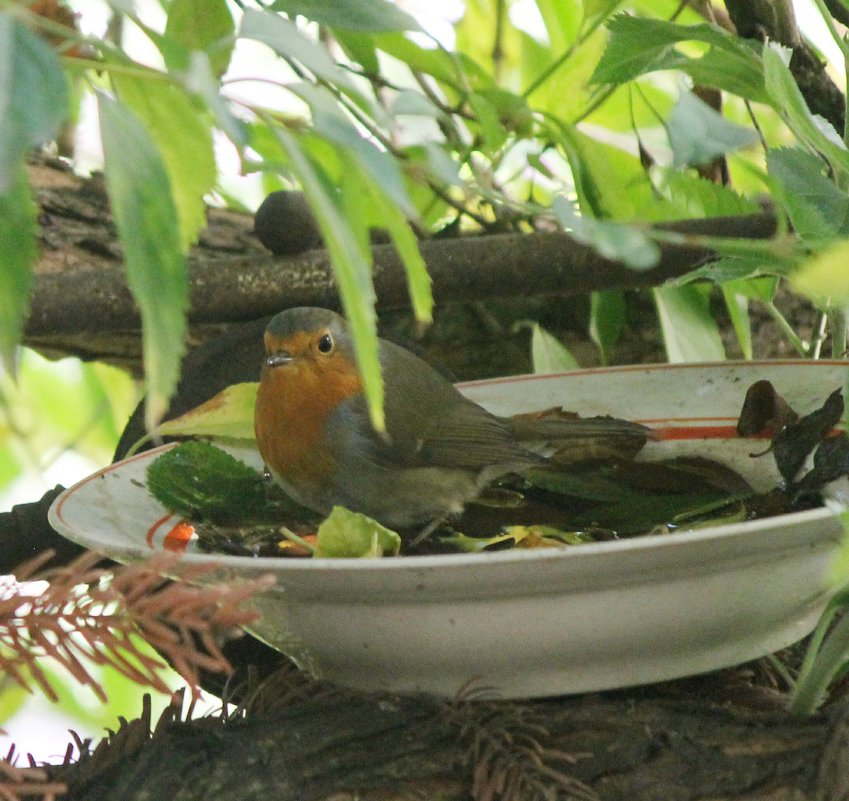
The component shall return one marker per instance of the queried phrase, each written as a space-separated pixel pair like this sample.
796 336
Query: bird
439 449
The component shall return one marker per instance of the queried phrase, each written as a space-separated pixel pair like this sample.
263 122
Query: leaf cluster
381 125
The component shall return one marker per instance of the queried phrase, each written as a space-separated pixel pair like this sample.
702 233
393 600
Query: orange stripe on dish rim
700 432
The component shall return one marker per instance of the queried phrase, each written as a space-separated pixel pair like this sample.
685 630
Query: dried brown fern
504 746
101 615
27 784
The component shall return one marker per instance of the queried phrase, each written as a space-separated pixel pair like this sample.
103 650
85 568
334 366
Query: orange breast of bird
293 405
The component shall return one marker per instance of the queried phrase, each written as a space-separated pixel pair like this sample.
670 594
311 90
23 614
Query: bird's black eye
325 344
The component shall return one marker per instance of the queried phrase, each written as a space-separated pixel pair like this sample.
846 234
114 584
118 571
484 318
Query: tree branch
80 285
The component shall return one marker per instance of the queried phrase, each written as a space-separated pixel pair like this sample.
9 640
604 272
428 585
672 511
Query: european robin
439 451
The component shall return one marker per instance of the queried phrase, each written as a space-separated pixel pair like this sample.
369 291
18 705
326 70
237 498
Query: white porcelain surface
548 621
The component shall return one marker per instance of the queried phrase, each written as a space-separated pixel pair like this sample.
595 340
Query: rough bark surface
81 303
716 738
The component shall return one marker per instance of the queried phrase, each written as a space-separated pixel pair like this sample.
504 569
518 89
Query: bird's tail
555 424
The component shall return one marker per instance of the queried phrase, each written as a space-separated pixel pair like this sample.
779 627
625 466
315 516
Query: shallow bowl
540 622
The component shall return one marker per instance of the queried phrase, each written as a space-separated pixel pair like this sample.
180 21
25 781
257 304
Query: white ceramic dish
547 621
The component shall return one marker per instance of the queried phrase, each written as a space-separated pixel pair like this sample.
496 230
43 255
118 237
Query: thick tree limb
677 742
80 286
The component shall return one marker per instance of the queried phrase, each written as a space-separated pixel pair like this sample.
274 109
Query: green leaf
485 119
607 321
785 96
450 69
511 110
376 210
360 48
205 25
351 266
562 19
610 183
690 333
147 224
346 534
738 310
698 134
284 38
201 81
824 277
694 196
201 482
33 96
817 207
18 253
330 123
371 16
624 243
638 46
184 138
728 268
548 354
737 295
227 415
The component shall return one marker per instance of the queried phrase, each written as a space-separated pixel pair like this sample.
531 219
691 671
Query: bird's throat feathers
294 402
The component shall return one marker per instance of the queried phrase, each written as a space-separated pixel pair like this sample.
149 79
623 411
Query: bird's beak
278 359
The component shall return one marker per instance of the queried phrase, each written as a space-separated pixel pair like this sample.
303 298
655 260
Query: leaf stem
787 329
569 51
827 655
300 541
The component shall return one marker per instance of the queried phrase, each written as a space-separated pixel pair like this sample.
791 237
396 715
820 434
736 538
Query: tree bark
81 303
719 737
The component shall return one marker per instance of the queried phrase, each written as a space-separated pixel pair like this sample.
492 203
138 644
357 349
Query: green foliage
198 25
384 127
202 482
17 254
146 218
370 16
549 354
347 534
818 209
184 141
690 333
63 405
33 96
33 104
639 46
607 321
698 134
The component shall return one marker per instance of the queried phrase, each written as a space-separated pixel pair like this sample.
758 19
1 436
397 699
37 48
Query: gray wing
429 423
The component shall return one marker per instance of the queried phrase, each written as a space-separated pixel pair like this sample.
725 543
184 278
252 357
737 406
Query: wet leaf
764 410
793 443
635 514
592 486
517 536
680 475
202 482
831 461
347 534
